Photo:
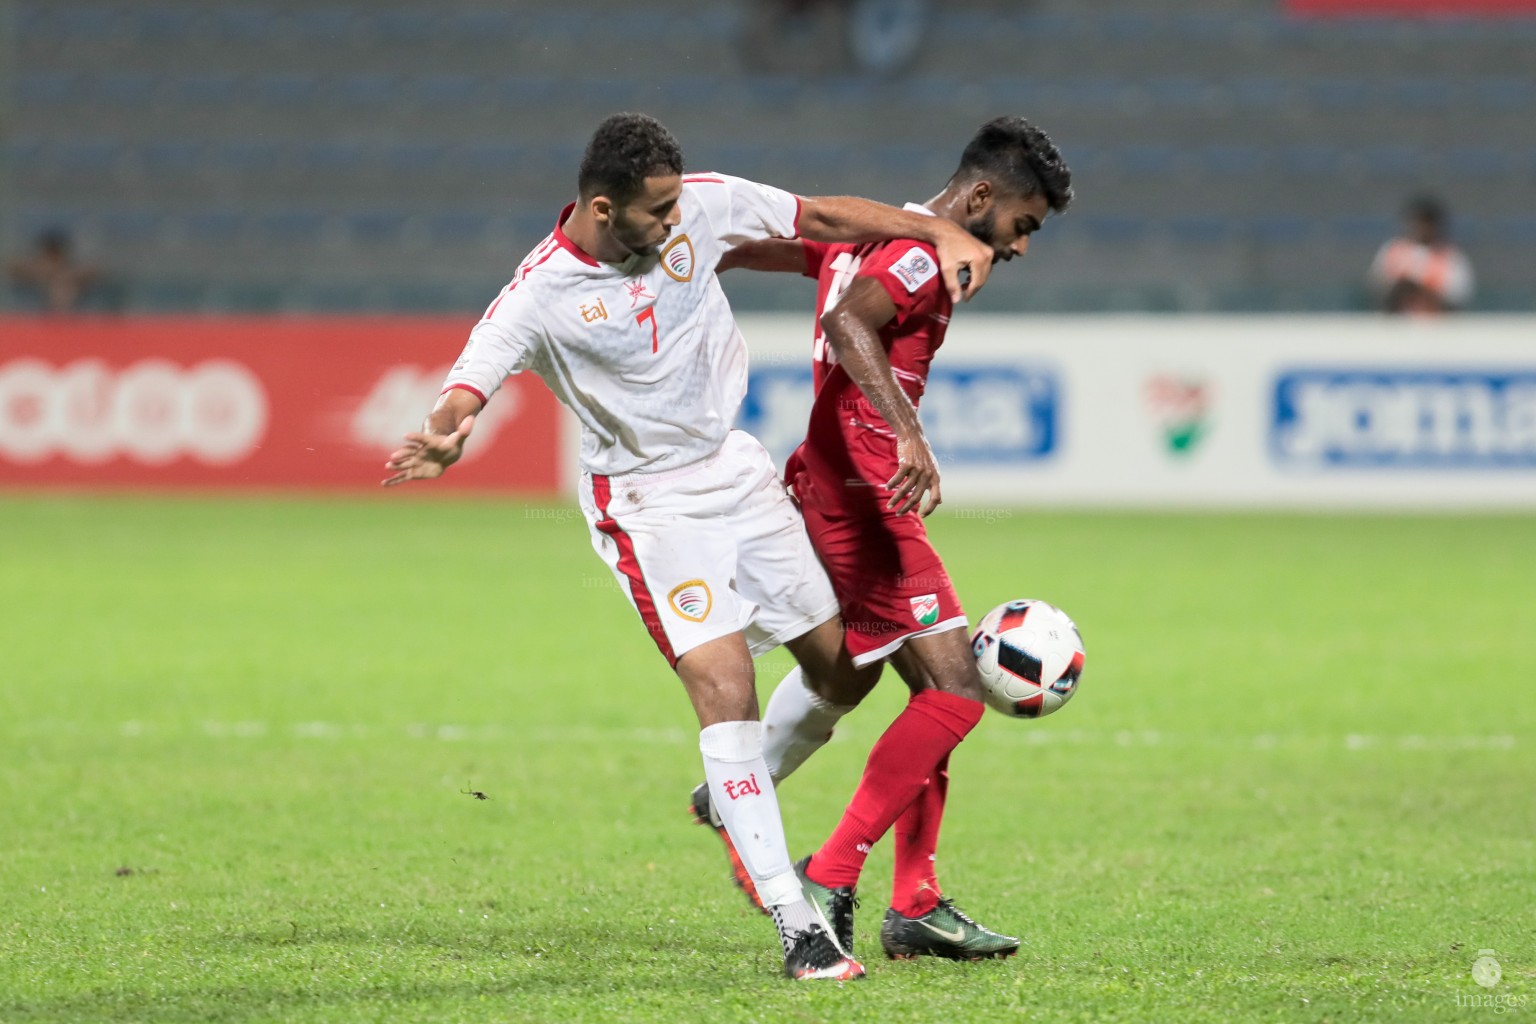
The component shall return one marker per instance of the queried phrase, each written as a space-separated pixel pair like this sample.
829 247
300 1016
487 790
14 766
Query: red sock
932 724
914 881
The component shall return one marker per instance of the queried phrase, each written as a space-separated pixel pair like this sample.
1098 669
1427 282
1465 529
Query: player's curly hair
624 151
1012 153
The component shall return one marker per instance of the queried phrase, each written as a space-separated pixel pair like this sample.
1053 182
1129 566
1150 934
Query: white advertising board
1257 412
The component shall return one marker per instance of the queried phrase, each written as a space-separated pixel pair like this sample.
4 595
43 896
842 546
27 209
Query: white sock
797 723
741 789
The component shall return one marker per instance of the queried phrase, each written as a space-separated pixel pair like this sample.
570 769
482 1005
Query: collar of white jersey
919 208
564 241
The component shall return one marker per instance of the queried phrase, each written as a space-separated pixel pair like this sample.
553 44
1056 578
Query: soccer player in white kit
620 313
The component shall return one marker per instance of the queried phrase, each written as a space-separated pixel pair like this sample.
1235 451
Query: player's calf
704 814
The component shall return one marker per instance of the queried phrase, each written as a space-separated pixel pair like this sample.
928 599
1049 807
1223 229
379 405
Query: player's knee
723 702
968 685
960 683
843 684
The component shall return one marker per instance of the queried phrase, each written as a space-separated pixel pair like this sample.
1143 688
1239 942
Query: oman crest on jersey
677 258
925 609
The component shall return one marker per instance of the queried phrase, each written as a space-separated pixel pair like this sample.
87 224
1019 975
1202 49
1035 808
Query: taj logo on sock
746 787
925 609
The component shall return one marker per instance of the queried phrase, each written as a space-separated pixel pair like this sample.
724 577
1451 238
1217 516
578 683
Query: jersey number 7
650 314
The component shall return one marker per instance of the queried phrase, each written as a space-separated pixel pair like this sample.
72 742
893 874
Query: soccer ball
1031 657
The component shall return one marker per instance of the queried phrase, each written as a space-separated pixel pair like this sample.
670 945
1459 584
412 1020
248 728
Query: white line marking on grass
998 735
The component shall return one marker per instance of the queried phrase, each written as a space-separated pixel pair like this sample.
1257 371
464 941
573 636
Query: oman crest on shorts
691 600
925 609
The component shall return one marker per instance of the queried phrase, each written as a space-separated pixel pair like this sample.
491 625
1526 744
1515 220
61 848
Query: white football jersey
645 352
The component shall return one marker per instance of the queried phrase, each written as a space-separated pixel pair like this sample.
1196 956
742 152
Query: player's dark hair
1013 154
53 240
1426 208
624 151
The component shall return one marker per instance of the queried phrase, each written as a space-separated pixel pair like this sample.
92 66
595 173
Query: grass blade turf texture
240 742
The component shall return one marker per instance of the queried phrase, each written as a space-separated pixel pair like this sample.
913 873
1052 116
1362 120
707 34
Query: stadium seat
448 90
1111 229
49 87
90 157
132 89
246 156
456 227
1366 229
292 226
242 25
323 24
285 90
171 155
26 156
129 229
214 227
372 227
163 24
367 89
211 89
1202 230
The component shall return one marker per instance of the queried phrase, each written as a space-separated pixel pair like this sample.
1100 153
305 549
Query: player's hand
964 260
426 456
917 474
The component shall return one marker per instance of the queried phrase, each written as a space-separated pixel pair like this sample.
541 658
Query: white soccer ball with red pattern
1031 658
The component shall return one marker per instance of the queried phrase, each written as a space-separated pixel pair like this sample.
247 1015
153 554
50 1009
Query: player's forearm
852 220
781 255
860 353
452 407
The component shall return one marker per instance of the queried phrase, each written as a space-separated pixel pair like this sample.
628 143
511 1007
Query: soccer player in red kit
864 478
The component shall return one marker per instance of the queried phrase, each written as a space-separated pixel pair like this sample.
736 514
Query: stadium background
399 155
396 159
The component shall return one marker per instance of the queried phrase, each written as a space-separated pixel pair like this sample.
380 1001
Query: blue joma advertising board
974 413
1407 419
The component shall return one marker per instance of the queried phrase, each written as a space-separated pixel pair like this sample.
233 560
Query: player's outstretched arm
426 455
852 328
853 220
781 255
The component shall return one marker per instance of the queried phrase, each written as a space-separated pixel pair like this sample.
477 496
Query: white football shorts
710 548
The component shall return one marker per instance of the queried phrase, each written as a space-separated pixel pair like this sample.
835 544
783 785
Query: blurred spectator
50 277
884 35
795 37
1421 271
814 37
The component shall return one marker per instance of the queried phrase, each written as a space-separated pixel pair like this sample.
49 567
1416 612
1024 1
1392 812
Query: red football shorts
889 580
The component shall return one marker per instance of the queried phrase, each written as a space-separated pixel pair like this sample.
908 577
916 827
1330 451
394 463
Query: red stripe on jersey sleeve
465 387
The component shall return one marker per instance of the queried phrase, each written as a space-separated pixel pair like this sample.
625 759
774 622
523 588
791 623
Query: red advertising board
1415 8
249 403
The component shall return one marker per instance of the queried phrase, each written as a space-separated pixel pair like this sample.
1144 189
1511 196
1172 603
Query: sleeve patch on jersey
914 269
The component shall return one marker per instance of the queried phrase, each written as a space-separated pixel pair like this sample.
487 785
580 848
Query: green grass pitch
1296 783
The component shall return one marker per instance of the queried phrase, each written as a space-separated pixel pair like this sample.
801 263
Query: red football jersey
845 431
889 581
